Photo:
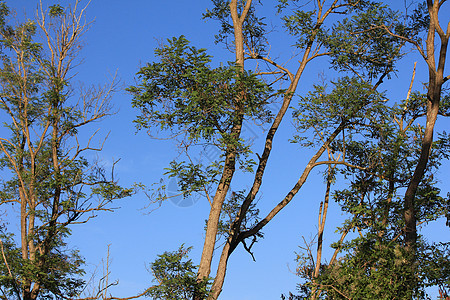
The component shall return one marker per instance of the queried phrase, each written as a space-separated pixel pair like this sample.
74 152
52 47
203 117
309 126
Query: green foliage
357 43
360 42
193 177
60 276
435 265
9 280
414 23
320 112
302 25
56 10
4 12
384 142
176 277
185 98
183 94
374 268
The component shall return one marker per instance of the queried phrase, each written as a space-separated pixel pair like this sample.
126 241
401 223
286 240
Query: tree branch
245 234
245 11
266 59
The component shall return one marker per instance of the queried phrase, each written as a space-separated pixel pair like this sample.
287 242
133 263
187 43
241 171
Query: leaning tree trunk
229 168
436 80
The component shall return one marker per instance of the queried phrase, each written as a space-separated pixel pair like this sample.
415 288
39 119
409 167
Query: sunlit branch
266 59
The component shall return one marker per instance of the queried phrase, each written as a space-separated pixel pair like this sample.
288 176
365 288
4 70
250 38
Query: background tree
435 61
385 146
395 191
49 178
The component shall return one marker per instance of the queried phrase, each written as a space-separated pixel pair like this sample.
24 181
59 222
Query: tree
396 192
436 79
385 146
200 105
176 277
42 155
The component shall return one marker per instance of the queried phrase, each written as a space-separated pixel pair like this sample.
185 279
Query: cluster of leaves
376 268
373 269
349 103
61 274
378 53
192 177
177 277
356 43
253 27
182 94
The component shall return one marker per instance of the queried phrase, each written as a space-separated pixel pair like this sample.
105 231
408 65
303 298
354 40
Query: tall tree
49 179
394 193
434 53
199 105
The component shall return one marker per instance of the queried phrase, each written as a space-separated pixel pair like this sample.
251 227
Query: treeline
380 155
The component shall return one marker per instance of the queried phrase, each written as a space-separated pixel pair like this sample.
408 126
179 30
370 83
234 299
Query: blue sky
121 39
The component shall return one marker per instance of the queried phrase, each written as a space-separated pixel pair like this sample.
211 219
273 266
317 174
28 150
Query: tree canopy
300 94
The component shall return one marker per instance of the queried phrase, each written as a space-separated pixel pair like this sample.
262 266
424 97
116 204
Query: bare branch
266 59
413 42
334 162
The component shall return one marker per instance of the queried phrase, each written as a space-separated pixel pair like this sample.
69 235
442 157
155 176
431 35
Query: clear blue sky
123 38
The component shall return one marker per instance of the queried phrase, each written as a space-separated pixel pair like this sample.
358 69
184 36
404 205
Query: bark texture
436 80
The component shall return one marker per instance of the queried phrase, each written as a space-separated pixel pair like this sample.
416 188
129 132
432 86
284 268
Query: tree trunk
214 216
229 168
436 80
